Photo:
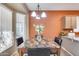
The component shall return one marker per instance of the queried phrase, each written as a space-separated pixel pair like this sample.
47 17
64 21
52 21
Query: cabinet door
73 20
70 22
67 22
77 22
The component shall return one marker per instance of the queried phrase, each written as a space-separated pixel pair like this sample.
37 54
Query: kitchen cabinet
69 22
77 25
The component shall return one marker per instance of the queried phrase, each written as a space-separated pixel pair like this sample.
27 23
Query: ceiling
53 6
17 6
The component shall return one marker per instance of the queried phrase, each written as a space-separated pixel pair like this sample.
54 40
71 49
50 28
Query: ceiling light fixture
38 14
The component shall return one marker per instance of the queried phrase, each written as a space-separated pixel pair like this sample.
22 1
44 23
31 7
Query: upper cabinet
77 24
69 22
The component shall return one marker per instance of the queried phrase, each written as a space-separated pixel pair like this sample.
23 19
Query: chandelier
38 14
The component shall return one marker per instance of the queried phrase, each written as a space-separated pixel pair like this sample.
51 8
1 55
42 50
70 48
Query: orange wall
53 23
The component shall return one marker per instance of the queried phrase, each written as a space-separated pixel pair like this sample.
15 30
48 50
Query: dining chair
58 41
38 52
56 51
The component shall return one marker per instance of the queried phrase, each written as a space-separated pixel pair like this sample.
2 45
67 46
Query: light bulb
43 15
38 17
33 14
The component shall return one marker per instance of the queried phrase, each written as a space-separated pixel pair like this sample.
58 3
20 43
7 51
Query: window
20 25
6 34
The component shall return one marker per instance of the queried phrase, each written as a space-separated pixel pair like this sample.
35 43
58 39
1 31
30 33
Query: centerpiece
39 28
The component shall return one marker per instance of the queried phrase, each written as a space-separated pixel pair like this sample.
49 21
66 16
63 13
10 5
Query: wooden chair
56 51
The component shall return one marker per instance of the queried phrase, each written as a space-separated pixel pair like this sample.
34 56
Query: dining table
54 47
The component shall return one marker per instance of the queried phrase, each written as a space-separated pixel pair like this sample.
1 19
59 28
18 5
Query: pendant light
38 14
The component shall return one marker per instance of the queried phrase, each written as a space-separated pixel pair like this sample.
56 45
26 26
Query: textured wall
53 23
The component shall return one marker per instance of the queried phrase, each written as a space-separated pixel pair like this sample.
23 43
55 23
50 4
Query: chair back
38 52
58 40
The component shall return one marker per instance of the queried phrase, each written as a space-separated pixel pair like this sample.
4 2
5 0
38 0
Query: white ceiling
17 7
54 6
